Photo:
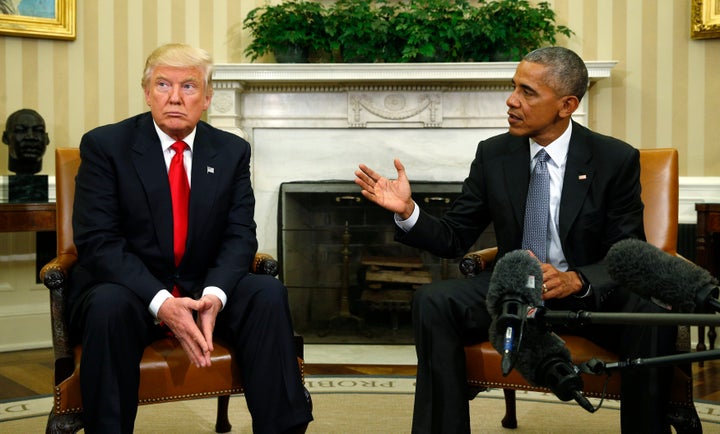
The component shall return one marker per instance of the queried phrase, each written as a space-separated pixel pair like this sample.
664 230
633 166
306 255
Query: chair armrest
264 264
475 262
54 275
55 272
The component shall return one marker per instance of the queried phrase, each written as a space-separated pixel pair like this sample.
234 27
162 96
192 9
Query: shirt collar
557 149
167 141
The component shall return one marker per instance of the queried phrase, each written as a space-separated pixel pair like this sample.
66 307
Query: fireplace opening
348 280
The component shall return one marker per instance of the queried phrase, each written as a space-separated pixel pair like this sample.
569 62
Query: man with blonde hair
164 228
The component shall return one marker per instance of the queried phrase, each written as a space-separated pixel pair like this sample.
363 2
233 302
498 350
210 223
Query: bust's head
27 140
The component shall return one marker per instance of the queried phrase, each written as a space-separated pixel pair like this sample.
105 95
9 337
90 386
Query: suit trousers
449 314
255 321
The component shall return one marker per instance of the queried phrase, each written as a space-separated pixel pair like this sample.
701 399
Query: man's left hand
208 308
559 284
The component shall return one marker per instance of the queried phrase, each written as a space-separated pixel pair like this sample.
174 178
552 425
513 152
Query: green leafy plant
294 28
517 27
361 31
436 30
404 30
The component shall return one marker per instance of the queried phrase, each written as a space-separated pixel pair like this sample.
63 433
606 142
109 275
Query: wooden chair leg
222 422
510 419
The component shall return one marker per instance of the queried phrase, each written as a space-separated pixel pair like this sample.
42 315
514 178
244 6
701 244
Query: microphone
544 361
649 272
539 355
514 285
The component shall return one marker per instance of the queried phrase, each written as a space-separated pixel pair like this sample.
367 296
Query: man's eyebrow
523 86
184 80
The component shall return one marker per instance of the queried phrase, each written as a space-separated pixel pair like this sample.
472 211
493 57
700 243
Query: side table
32 217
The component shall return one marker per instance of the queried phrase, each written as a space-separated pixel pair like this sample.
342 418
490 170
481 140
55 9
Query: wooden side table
27 217
32 217
707 249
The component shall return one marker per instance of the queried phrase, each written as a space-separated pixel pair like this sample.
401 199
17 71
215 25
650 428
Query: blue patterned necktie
537 208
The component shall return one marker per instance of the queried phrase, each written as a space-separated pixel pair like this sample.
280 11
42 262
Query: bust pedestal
27 188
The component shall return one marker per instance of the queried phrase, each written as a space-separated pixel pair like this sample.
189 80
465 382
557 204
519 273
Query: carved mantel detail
396 106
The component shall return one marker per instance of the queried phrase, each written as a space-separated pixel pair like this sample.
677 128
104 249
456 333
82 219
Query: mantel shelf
297 73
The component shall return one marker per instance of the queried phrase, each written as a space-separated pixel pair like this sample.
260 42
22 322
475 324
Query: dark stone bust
27 139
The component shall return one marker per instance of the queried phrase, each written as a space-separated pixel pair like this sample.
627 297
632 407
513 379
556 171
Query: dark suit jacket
600 202
122 216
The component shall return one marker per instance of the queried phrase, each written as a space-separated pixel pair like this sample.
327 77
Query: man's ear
5 138
568 106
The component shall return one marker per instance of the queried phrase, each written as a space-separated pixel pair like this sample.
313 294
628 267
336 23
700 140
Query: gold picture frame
61 26
705 19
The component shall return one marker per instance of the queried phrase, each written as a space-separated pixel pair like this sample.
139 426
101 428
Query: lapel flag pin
210 169
582 177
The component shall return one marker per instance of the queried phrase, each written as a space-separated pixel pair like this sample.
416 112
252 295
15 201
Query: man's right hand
393 195
177 315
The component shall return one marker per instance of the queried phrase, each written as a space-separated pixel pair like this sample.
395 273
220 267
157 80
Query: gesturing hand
393 195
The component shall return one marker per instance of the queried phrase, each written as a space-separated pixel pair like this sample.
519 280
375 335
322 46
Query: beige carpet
348 405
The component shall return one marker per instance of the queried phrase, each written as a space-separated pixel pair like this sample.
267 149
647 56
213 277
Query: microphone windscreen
649 272
536 347
517 276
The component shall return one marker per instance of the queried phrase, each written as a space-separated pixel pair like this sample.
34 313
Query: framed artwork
54 19
705 19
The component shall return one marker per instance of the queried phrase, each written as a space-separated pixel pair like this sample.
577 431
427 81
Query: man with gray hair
591 200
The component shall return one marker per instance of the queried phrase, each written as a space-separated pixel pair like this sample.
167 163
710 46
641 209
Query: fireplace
309 123
329 236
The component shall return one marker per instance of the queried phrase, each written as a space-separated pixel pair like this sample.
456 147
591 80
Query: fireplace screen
348 280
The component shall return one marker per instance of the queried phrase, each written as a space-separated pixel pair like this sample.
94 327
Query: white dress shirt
166 143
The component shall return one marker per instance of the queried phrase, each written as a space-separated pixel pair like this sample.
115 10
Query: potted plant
292 31
404 30
361 31
515 27
439 31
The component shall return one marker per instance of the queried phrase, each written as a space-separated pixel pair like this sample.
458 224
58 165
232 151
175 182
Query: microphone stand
599 367
594 366
582 318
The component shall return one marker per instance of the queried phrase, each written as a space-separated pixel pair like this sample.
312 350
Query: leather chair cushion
165 375
484 370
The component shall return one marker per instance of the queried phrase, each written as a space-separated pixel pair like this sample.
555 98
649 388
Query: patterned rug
361 404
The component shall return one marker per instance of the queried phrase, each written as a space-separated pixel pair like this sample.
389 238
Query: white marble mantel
318 121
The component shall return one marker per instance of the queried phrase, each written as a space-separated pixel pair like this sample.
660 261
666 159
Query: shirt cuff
586 285
408 224
157 301
217 292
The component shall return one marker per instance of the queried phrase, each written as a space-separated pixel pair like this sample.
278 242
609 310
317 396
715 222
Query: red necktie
180 192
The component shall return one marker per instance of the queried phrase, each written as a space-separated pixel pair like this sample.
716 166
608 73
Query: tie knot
542 156
178 147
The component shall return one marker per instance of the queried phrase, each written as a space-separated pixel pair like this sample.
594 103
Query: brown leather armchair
659 181
165 372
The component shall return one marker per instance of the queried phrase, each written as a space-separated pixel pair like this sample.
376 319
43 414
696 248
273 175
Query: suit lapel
150 167
579 174
517 177
206 172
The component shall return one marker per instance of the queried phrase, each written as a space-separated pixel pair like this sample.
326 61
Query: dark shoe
685 420
300 429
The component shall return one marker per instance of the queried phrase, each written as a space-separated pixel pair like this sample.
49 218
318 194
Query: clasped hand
195 335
